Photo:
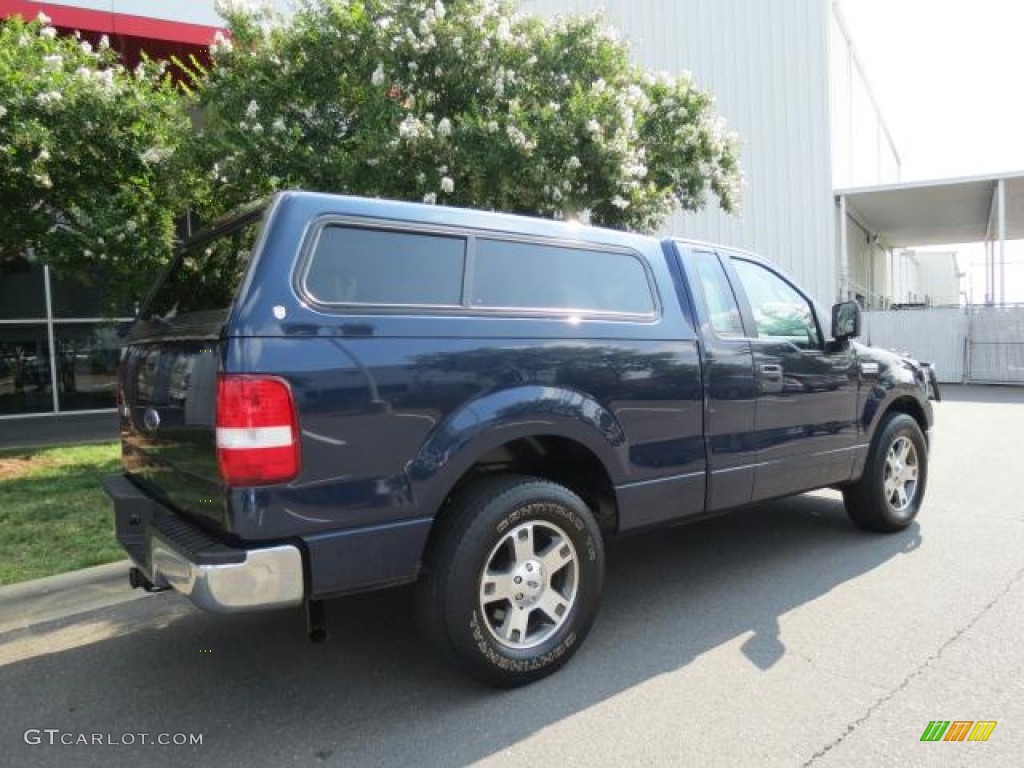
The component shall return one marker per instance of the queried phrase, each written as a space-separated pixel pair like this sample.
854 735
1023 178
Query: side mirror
845 320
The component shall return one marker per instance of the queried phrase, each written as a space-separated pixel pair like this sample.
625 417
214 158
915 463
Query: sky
947 75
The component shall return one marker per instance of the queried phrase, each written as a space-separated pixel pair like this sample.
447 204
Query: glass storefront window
86 352
22 291
87 358
24 369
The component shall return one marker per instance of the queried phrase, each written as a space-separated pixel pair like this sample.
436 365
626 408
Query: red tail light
257 431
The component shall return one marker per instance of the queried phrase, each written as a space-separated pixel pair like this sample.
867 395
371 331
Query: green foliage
88 171
464 103
55 517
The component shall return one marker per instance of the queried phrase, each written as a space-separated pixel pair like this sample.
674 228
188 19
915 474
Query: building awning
87 16
976 209
938 212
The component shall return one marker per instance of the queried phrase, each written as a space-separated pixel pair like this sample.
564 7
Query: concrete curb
64 595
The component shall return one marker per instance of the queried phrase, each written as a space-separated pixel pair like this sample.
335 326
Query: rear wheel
888 495
513 579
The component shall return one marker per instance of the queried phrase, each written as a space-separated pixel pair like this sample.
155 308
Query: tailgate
168 376
167 424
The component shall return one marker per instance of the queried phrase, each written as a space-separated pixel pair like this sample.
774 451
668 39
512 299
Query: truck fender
496 418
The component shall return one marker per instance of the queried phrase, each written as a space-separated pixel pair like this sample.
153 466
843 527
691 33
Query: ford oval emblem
151 419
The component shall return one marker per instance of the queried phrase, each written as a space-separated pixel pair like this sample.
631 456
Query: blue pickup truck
326 395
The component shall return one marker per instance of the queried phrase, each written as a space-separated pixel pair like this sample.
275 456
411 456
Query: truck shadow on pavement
375 694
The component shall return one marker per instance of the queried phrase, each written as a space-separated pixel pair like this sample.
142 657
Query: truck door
806 391
729 384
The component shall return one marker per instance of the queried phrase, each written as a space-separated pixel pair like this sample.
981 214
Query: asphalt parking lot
779 636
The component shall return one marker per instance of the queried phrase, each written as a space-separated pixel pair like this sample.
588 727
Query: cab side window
723 311
781 313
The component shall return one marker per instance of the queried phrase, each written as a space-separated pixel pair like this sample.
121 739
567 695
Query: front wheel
888 495
513 578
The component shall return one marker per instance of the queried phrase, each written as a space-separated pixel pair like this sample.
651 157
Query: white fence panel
996 352
936 335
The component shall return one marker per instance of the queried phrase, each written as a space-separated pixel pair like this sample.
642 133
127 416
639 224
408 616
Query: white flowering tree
461 102
87 176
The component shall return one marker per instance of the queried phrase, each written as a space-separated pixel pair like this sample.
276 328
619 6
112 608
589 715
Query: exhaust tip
318 636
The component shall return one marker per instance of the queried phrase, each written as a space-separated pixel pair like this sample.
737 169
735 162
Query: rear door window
206 275
353 265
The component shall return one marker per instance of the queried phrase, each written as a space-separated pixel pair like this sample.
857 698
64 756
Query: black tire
488 525
875 501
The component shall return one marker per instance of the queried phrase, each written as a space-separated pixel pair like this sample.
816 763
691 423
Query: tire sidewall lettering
511 664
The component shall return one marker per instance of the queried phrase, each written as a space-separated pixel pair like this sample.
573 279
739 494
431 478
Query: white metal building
767 63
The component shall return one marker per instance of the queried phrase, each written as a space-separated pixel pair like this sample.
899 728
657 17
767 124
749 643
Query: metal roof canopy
977 209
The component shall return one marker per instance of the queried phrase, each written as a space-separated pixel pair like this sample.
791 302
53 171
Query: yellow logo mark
958 730
982 730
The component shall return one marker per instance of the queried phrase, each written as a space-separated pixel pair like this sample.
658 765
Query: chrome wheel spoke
513 629
522 544
496 586
899 450
558 555
554 606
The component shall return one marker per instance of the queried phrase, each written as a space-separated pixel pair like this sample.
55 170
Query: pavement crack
917 672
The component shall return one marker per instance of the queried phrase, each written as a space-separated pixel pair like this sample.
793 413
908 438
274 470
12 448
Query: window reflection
73 298
24 369
87 358
22 293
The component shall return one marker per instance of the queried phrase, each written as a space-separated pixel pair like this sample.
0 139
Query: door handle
771 371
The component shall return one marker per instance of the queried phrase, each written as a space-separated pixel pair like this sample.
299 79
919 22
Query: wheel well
560 460
912 408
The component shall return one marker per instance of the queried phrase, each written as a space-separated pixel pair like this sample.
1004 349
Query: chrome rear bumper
171 551
267 578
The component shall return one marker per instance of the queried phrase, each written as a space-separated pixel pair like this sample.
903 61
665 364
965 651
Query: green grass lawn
54 516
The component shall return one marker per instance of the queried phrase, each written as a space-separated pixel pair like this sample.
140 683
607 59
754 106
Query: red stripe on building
69 17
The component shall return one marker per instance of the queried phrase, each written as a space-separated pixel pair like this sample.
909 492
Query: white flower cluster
412 129
226 8
519 139
155 155
221 45
102 77
250 122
